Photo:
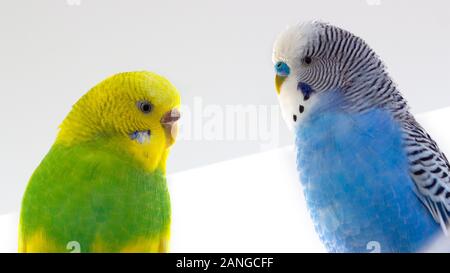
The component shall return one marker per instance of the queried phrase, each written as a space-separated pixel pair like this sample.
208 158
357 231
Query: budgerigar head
134 111
313 58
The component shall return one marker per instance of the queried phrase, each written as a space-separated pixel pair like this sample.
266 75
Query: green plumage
95 194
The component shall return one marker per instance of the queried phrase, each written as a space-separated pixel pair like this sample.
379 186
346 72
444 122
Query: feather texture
97 196
339 60
356 180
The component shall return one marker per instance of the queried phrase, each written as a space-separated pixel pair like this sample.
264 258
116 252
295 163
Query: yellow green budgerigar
102 185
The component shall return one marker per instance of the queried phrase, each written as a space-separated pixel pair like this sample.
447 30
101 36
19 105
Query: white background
52 52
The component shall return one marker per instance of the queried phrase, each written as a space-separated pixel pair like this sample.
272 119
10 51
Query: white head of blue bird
313 58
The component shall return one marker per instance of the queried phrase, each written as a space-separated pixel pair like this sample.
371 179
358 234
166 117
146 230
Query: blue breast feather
356 182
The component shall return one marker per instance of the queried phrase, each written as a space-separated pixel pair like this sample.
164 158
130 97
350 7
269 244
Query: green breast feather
94 197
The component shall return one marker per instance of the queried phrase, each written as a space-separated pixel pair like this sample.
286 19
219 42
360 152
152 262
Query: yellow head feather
117 107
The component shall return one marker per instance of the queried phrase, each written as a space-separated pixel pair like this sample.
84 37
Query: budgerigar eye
307 60
145 106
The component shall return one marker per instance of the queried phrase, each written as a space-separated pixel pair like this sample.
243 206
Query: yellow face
135 110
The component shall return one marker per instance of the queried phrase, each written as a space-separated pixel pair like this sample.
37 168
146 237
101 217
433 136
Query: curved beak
169 123
278 82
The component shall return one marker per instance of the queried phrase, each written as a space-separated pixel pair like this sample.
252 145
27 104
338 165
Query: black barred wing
430 171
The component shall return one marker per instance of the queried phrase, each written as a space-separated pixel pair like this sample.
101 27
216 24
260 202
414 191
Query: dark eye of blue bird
145 106
307 60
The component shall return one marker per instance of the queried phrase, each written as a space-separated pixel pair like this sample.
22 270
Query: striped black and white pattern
344 61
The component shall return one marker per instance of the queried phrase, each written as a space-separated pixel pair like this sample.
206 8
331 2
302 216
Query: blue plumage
374 179
355 175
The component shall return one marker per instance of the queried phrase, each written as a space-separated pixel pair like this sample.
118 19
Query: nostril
294 117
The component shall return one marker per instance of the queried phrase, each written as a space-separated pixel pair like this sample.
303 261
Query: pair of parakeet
372 176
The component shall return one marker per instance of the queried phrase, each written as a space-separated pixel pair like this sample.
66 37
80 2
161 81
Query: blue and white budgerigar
372 176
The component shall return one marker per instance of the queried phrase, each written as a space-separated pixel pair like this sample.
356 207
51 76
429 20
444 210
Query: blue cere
282 69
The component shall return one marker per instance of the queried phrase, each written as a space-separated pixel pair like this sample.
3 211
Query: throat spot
301 108
141 136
